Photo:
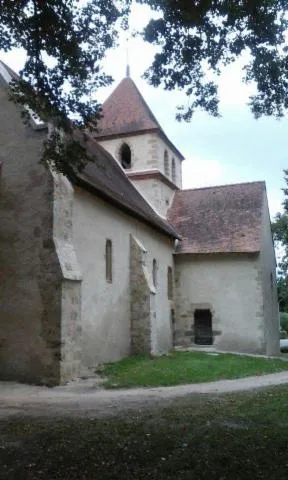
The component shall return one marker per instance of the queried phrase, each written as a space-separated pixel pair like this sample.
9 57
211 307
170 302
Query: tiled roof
222 219
106 178
125 112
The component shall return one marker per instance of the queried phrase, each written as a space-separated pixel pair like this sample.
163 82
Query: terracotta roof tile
219 219
125 111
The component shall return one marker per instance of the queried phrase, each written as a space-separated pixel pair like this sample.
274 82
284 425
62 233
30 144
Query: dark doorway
203 327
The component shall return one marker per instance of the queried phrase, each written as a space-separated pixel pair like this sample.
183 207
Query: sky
232 149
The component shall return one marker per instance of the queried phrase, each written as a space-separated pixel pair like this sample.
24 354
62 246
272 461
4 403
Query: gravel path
82 398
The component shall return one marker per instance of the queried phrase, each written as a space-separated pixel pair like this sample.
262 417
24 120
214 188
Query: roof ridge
222 186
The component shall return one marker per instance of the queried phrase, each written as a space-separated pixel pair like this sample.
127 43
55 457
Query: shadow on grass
199 437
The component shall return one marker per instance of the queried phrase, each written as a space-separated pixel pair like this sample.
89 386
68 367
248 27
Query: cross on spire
127 58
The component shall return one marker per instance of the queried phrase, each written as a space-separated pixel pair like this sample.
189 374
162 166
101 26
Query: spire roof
125 112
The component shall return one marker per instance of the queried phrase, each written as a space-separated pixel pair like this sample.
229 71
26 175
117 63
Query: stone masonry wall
31 278
70 366
142 300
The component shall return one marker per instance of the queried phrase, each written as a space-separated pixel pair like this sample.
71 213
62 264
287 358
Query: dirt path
81 398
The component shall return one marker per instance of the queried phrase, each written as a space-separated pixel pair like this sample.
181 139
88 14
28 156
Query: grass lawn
224 437
179 368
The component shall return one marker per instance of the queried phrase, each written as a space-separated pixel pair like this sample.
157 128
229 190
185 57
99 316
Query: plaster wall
30 283
231 287
106 306
269 285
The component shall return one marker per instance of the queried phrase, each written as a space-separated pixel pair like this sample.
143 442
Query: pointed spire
127 70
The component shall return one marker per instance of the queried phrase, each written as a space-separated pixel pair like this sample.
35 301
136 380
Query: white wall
231 287
106 306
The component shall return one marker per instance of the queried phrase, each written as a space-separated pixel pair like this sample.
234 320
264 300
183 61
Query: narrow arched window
173 170
166 163
154 272
170 283
108 258
125 156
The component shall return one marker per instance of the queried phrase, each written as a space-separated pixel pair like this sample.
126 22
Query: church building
124 261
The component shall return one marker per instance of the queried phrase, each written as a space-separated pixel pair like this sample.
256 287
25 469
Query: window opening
108 257
173 170
154 273
125 156
170 283
166 163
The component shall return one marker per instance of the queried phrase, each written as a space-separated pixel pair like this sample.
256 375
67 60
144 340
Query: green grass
184 367
225 437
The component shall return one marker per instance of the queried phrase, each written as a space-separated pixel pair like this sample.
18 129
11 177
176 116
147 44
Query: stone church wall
147 153
142 300
106 305
71 325
144 149
30 283
156 192
231 288
162 146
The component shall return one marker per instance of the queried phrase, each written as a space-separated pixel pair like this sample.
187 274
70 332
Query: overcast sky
235 148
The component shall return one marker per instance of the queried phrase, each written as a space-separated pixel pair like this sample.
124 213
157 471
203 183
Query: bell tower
129 131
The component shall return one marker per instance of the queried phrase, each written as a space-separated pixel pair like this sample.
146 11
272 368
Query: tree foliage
196 36
66 40
65 43
282 284
280 235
